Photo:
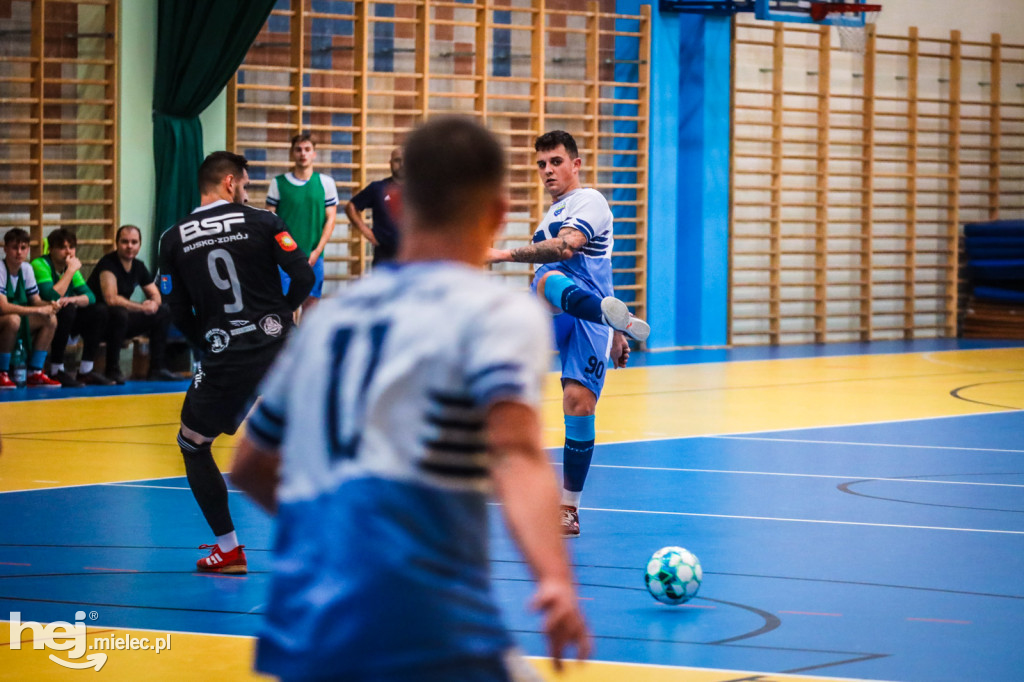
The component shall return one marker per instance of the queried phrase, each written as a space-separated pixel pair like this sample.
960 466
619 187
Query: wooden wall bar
852 174
359 82
58 120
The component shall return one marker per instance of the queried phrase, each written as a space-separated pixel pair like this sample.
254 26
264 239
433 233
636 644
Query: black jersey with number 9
218 272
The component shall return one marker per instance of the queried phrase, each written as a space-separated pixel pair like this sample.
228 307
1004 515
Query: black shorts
220 396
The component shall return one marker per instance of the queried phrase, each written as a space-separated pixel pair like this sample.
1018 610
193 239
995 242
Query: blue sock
5 362
578 451
37 361
562 292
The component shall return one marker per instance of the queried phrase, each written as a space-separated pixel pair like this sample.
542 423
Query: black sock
207 484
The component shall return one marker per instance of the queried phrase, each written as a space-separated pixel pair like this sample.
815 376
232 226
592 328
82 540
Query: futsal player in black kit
218 273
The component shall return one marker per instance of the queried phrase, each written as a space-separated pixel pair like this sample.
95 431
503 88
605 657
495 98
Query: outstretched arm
563 247
525 484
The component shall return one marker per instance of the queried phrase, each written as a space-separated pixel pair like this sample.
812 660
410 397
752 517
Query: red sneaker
38 380
223 562
570 521
5 381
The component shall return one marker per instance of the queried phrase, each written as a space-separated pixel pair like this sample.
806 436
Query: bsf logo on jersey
558 211
286 241
165 284
206 227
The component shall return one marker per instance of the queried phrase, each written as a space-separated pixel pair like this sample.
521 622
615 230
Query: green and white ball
673 575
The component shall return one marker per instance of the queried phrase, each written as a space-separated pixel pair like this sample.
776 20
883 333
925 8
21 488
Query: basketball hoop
853 34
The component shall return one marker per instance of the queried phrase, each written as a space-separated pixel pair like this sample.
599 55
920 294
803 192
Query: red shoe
223 562
570 521
38 379
5 381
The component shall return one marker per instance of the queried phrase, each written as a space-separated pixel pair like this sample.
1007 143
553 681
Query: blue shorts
583 347
318 284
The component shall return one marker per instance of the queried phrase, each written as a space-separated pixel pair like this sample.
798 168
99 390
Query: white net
855 38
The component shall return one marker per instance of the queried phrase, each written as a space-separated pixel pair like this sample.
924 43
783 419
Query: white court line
81 485
877 445
785 429
779 473
928 357
155 487
835 523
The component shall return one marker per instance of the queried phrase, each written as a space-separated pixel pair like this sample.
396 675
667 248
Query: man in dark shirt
113 281
219 272
383 198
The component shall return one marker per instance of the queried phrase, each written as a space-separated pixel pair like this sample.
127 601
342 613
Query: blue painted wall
688 226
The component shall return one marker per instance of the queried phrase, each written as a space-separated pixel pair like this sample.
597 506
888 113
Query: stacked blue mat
995 260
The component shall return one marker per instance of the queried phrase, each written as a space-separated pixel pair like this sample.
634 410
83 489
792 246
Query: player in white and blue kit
573 246
398 407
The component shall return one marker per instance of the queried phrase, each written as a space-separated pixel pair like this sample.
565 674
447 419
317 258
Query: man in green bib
307 201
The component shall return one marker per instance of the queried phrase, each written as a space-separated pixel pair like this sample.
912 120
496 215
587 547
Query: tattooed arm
563 247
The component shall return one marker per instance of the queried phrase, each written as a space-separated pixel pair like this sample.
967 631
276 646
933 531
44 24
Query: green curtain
200 44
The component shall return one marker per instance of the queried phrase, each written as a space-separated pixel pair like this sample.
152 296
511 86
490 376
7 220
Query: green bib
302 209
16 295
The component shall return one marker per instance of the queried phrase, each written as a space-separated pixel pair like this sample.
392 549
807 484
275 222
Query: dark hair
60 237
303 137
447 161
217 166
16 235
117 235
549 141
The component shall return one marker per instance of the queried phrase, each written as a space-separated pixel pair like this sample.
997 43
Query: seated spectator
23 312
113 281
59 277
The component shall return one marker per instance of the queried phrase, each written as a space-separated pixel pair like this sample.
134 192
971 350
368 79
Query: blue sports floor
869 543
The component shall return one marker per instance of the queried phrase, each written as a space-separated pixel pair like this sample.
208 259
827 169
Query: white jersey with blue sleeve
378 408
24 272
586 210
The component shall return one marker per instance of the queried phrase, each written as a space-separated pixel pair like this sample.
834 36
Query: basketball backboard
799 11
795 11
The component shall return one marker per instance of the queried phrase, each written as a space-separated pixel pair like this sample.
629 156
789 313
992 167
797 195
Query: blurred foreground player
394 412
219 273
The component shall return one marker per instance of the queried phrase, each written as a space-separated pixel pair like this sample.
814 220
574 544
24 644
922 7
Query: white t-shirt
31 287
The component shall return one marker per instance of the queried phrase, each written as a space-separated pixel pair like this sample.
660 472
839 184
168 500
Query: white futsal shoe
617 316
